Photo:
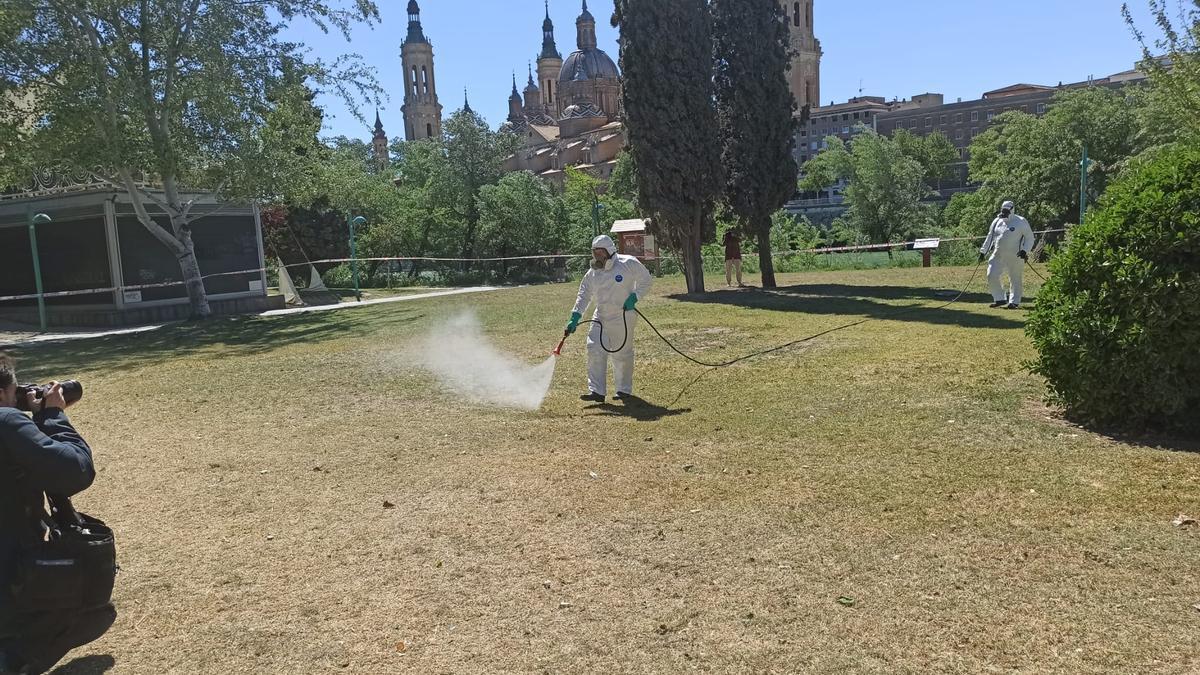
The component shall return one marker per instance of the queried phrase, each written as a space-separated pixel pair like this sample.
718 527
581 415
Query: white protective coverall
610 287
1006 237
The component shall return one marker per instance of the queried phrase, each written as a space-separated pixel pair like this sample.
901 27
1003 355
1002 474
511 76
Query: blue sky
895 48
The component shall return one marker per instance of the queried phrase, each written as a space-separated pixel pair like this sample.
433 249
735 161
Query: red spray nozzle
558 350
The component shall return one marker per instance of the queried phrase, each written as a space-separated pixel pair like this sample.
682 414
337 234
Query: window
942 120
429 130
796 14
1041 108
425 80
855 115
803 158
845 116
928 122
974 118
958 118
416 82
965 153
813 145
1025 108
845 130
958 134
974 132
803 132
912 124
991 115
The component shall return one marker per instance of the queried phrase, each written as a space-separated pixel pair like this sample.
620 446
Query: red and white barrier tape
331 261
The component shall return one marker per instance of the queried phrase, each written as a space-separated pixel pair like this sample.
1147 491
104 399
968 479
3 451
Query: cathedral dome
588 64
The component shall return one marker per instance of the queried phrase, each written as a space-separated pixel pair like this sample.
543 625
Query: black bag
71 566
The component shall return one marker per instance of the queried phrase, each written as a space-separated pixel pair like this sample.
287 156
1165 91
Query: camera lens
72 390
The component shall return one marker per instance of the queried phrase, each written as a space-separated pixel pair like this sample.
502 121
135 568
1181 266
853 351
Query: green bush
1117 327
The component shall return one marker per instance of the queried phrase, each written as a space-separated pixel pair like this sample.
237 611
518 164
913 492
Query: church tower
549 65
804 78
379 144
516 112
422 112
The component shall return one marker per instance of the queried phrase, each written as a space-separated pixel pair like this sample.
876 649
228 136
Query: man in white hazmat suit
616 283
1009 241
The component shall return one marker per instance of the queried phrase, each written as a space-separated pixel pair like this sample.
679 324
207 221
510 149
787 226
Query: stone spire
549 48
585 27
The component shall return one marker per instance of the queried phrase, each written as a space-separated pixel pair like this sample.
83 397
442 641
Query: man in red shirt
733 258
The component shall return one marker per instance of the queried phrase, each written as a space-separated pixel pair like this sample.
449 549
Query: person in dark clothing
38 455
733 257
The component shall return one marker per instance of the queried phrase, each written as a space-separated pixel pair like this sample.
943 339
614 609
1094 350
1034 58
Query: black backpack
70 564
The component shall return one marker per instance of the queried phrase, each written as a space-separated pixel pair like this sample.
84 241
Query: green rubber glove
573 324
631 302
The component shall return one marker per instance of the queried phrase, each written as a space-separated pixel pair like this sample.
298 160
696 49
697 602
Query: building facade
924 114
961 121
571 116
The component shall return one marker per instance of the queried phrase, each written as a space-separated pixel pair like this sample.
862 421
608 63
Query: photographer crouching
56 566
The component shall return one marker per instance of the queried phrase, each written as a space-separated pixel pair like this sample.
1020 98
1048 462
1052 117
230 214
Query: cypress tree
671 121
755 111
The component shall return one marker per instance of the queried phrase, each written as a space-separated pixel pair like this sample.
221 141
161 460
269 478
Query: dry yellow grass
904 464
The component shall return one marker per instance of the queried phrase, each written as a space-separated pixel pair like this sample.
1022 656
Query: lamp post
355 222
34 221
1083 178
597 209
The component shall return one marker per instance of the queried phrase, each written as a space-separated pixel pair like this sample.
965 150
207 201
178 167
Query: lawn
292 497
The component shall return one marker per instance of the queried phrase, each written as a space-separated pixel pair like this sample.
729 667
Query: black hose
771 350
1039 274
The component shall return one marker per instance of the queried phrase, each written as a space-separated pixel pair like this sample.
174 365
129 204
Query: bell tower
804 79
422 112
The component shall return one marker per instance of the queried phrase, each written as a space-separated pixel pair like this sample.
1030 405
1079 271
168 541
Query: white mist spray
463 360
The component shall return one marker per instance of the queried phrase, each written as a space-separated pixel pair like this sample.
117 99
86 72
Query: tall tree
168 88
475 158
1035 161
666 56
884 187
517 218
1173 61
934 152
755 113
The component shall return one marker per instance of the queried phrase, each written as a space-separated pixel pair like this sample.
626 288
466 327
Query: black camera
72 391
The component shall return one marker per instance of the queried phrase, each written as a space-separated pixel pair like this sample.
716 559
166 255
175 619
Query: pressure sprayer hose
1029 263
793 343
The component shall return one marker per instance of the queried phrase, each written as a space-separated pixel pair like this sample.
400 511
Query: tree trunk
188 264
766 262
192 279
693 263
179 243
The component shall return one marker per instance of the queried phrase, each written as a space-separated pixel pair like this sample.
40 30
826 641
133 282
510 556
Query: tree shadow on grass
868 301
1174 441
1177 440
638 409
86 665
231 335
